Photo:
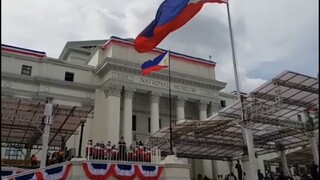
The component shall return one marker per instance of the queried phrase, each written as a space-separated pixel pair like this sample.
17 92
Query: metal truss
210 141
274 136
277 122
287 101
199 156
32 128
300 87
211 130
29 107
256 108
285 147
60 128
22 145
229 115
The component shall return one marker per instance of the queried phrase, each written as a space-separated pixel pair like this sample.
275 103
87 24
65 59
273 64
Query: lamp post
82 121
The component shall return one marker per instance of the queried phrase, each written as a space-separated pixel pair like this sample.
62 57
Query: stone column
284 162
314 147
112 113
46 132
206 165
154 119
180 103
127 116
202 110
214 107
251 167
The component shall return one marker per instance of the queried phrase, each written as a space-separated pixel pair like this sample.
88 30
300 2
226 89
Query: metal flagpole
235 69
247 133
170 119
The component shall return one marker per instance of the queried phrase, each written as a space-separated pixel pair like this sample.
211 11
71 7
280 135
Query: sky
270 36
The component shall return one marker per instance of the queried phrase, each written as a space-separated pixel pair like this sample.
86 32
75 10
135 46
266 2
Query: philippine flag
171 15
156 64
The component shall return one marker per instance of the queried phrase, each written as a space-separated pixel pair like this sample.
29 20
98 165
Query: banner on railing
60 172
5 173
54 173
102 171
149 172
126 172
31 176
98 171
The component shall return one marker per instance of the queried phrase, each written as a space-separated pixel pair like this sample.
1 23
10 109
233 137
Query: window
69 76
26 70
299 117
149 126
160 123
134 123
223 103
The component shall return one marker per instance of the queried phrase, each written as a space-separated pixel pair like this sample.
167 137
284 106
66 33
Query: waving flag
98 171
158 63
149 172
60 172
171 15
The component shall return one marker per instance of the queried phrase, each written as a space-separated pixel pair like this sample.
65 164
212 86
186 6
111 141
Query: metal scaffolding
22 122
270 112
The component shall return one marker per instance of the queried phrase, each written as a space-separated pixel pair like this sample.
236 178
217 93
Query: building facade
106 74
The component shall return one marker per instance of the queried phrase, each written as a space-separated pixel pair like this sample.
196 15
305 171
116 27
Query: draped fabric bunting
31 176
149 172
98 171
124 172
60 172
8 173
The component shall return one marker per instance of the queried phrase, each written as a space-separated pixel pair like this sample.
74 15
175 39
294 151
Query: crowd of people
101 151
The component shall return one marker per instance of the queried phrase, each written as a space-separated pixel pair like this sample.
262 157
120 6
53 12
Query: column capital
215 106
202 105
180 102
112 91
154 98
128 94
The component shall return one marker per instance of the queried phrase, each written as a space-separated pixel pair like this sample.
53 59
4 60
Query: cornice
50 60
158 91
39 80
133 68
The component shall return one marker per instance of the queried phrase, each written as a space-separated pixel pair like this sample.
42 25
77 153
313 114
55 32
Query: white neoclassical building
106 75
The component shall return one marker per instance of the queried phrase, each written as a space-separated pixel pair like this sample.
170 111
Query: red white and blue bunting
5 173
124 172
149 172
102 171
98 171
30 176
60 172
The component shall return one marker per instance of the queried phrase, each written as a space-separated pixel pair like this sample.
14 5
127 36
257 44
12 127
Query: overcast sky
271 36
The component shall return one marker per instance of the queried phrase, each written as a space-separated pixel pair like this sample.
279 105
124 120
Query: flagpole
170 119
247 136
235 69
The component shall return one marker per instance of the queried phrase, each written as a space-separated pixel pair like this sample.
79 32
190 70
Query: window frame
26 70
68 75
